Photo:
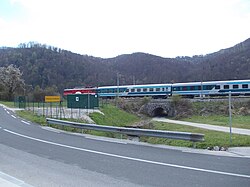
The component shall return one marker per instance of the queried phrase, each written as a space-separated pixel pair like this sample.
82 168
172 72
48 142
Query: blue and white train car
212 88
112 91
236 87
153 90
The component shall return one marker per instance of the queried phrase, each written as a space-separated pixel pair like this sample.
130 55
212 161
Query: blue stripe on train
234 90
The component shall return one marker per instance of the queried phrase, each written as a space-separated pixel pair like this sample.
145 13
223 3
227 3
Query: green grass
116 117
8 103
212 138
113 117
31 117
45 105
11 104
237 121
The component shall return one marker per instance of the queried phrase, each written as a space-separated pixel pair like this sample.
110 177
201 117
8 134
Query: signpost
51 99
20 101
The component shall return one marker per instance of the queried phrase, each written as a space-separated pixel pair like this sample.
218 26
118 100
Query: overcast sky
107 28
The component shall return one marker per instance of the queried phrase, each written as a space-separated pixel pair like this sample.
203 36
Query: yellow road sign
50 99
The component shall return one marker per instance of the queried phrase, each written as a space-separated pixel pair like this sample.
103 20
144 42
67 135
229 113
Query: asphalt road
42 156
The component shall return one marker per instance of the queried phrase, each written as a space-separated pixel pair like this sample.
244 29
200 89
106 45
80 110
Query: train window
127 90
235 86
244 85
151 89
184 88
138 89
132 90
226 86
192 87
122 90
157 89
210 87
145 89
176 88
217 87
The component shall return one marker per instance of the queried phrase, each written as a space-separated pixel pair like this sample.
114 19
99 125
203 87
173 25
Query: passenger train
191 89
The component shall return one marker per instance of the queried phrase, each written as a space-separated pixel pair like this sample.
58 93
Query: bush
181 107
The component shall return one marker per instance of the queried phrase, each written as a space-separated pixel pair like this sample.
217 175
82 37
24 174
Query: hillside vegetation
47 66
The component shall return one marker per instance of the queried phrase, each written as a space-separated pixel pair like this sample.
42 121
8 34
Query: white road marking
106 140
25 122
8 112
51 129
12 181
13 116
130 158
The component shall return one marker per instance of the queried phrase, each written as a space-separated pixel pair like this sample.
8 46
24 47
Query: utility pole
230 116
118 82
117 91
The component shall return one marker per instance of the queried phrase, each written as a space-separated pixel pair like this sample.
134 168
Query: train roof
135 86
149 85
164 85
83 88
213 82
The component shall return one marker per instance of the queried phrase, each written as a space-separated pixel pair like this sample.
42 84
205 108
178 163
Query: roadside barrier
134 132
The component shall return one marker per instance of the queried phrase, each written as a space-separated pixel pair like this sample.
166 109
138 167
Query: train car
191 89
236 87
212 88
112 91
153 90
79 91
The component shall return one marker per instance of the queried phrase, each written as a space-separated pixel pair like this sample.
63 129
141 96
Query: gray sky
107 28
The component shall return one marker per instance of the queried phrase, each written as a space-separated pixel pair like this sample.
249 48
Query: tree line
43 67
12 84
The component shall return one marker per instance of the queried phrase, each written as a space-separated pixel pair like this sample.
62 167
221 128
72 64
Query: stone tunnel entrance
159 112
157 109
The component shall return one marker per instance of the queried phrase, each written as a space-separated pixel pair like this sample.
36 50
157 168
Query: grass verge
212 138
237 121
8 103
31 117
116 117
113 117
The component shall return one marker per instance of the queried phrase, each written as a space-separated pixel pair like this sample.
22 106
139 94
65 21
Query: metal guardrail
194 137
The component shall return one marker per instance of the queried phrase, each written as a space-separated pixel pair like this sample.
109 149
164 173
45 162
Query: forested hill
46 66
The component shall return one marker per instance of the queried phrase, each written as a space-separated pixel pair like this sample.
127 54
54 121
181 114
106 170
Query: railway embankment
177 107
